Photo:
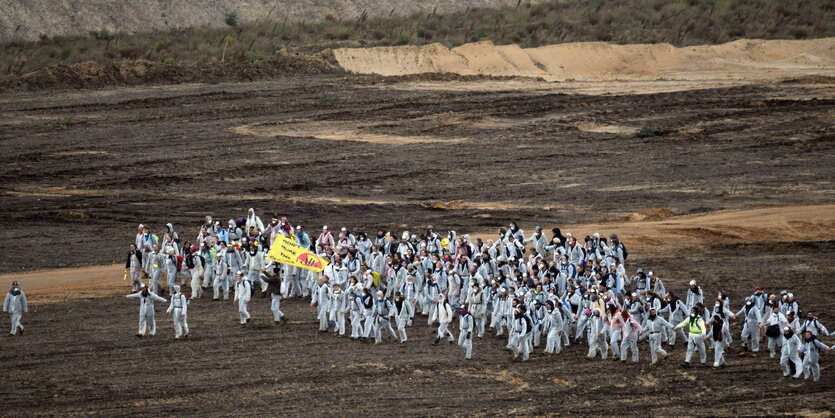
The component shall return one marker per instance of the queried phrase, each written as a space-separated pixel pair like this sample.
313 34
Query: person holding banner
273 280
254 265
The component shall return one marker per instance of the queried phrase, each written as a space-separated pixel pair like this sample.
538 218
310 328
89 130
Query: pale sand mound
743 59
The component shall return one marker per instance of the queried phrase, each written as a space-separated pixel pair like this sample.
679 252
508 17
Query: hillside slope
31 19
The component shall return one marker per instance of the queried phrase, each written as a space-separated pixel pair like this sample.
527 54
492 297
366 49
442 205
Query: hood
232 224
170 227
250 210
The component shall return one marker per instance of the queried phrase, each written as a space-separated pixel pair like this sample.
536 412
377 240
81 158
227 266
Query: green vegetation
232 19
680 22
647 132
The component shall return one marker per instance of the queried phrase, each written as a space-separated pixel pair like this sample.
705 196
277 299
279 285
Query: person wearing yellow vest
696 336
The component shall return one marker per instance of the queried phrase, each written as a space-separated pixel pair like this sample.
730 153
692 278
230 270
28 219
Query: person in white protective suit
477 307
253 221
443 313
382 312
15 304
656 328
465 338
812 347
338 308
154 263
219 280
243 292
790 351
403 314
254 265
147 321
322 301
133 267
171 264
197 267
751 325
553 328
520 328
179 309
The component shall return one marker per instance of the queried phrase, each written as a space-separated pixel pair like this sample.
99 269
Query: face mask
748 303
718 305
692 315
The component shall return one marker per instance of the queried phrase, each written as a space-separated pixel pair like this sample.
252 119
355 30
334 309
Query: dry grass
680 22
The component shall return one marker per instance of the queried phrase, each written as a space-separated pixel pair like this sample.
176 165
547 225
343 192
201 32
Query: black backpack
529 322
625 251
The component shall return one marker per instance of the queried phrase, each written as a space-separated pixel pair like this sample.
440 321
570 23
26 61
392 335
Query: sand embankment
743 59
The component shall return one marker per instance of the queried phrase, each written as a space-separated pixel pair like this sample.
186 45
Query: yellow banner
286 251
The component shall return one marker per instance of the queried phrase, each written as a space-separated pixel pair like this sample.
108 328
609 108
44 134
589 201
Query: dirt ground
736 192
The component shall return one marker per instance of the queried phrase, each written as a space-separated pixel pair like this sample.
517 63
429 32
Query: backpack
816 323
190 262
376 279
529 322
384 310
625 251
772 331
179 263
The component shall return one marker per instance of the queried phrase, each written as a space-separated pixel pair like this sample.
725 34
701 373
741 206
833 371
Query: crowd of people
534 289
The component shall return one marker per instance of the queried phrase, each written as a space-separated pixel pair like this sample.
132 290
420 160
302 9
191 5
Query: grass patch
646 132
679 22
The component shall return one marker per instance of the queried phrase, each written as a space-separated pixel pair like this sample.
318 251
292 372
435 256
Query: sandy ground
744 59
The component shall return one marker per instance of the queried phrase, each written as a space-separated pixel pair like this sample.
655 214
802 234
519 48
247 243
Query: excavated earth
736 191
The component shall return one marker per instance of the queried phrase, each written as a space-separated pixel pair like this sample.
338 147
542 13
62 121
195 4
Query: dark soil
81 357
82 169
